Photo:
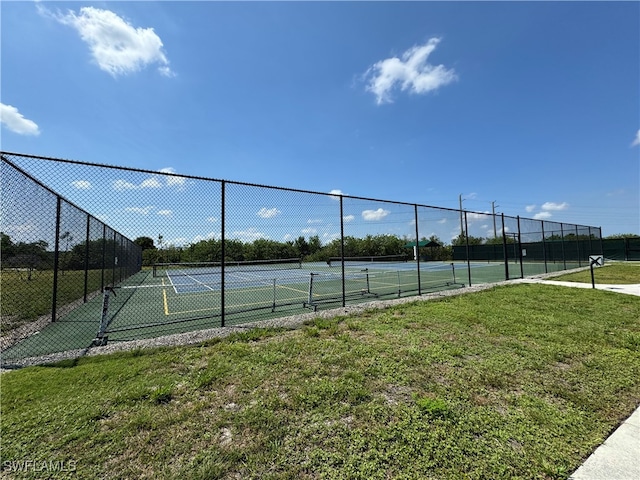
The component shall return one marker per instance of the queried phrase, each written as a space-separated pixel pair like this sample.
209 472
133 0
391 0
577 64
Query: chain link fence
93 254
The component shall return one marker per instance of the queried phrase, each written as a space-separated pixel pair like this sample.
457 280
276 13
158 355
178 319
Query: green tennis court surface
148 306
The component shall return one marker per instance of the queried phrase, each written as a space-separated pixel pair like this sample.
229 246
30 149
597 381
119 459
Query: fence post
600 238
86 259
544 247
564 256
578 245
114 257
56 259
466 236
504 250
520 248
415 209
222 252
104 255
344 293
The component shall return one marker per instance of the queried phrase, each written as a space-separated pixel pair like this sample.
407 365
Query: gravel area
290 322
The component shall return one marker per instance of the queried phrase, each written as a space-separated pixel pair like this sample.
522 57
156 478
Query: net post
101 338
273 309
309 301
399 286
366 273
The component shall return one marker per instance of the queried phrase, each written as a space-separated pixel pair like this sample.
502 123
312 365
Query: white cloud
117 47
442 220
472 216
212 219
19 228
542 215
179 241
172 180
412 73
140 210
335 194
373 215
12 119
152 182
314 220
636 140
123 185
551 206
327 237
209 236
155 181
268 212
309 231
248 235
348 218
81 184
530 208
165 213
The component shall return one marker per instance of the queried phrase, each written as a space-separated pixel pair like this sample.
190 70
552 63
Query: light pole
461 224
493 210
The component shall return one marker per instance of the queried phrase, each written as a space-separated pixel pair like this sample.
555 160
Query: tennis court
188 297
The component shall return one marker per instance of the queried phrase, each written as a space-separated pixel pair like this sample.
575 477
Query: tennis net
208 268
368 260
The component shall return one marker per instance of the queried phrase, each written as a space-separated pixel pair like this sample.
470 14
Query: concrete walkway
618 458
633 289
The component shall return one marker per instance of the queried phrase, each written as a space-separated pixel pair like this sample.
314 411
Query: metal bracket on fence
101 339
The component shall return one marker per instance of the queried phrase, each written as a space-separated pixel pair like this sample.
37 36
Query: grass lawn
520 381
25 299
618 273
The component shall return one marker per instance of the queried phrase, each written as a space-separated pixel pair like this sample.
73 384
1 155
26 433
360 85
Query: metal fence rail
73 278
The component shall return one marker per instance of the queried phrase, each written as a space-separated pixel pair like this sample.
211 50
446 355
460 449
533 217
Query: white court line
184 284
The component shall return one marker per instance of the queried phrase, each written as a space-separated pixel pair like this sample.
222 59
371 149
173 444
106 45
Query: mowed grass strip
520 381
617 273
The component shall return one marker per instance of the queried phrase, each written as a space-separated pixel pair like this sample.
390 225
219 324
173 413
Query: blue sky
533 105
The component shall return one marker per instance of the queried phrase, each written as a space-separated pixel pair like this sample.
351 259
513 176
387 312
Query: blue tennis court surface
199 281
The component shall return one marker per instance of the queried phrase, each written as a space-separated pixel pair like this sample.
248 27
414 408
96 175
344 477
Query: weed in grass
312 332
433 407
330 325
353 325
162 395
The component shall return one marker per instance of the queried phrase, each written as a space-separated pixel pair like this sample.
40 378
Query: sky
531 108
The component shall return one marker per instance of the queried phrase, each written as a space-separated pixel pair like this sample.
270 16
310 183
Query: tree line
308 249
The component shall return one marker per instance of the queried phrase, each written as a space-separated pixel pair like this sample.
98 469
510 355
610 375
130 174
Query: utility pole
461 225
493 210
